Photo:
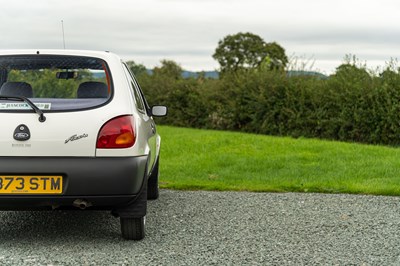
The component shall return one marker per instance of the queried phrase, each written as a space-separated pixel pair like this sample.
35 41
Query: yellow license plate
30 184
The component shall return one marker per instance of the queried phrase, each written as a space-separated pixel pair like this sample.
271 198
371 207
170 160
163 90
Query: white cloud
188 31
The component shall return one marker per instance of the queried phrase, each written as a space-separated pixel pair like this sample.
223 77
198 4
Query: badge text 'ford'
21 133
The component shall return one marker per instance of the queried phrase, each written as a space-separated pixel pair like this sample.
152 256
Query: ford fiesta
76 132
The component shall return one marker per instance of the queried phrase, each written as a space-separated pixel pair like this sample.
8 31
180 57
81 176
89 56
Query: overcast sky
319 32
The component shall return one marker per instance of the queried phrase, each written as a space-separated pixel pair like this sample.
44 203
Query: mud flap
137 208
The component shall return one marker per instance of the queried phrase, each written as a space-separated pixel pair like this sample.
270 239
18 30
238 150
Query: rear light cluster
117 133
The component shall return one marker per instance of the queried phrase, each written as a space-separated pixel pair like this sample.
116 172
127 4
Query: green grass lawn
216 160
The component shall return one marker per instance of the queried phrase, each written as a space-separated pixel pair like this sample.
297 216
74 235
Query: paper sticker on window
24 106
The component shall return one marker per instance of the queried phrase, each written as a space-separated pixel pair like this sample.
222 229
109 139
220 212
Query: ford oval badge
21 133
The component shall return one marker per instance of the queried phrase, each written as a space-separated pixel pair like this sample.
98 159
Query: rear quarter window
137 97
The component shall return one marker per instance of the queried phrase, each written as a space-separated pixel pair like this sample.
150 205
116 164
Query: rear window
54 83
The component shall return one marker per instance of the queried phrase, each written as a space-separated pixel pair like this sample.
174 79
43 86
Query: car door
145 115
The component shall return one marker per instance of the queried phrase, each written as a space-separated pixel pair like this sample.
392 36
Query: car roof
99 54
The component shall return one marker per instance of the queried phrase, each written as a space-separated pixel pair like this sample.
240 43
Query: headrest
16 89
92 89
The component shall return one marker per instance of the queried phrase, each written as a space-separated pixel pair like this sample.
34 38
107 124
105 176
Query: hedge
351 105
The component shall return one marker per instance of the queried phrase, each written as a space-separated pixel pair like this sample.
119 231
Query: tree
276 54
247 50
169 68
352 71
136 69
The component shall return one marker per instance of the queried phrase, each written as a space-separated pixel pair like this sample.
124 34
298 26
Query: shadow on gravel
47 225
79 226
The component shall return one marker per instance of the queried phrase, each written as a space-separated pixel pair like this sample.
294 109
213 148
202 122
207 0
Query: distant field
215 160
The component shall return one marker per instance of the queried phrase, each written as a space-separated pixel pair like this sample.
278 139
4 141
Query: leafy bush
351 105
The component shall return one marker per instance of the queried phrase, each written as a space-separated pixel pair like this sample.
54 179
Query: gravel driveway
214 228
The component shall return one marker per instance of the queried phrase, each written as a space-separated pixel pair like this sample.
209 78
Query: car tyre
133 228
152 184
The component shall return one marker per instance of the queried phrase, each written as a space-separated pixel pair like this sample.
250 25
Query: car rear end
85 147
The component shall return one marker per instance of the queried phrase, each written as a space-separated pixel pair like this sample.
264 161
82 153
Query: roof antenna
62 26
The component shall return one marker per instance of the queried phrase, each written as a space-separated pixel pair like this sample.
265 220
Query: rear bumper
106 183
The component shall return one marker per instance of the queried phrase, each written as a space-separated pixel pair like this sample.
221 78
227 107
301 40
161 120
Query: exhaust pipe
81 204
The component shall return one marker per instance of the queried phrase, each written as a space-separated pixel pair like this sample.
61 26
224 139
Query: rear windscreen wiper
42 118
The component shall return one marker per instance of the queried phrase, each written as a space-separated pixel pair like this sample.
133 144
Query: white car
76 132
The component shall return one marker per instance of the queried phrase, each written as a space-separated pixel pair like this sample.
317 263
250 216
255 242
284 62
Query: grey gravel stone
214 228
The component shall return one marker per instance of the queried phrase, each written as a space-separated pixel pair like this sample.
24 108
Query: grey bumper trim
108 179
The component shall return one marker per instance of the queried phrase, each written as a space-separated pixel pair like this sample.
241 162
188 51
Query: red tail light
117 133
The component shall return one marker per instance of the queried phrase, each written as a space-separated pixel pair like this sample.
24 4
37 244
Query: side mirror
159 110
